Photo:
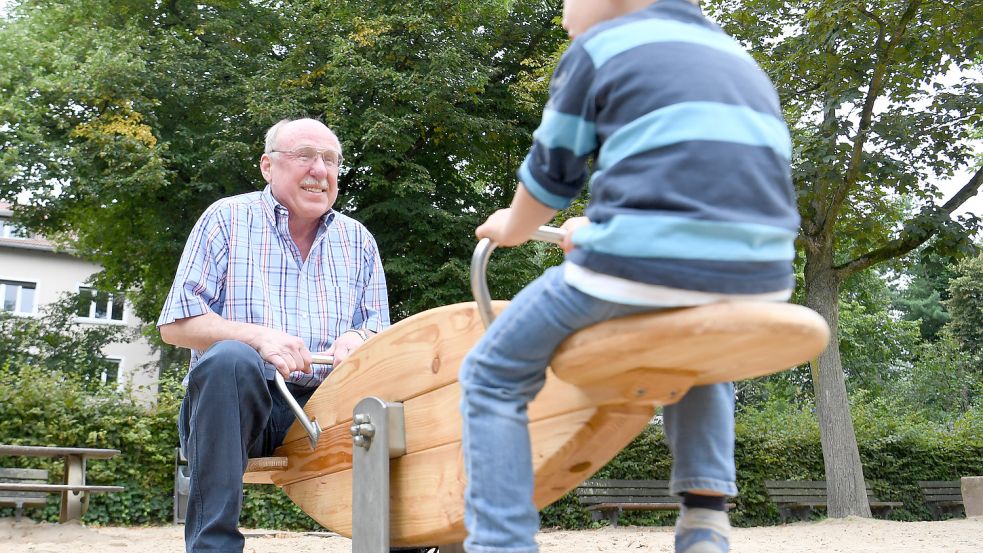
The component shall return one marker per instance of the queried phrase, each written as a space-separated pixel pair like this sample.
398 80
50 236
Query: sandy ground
829 536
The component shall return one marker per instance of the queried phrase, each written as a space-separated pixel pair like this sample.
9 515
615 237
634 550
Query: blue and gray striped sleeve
555 169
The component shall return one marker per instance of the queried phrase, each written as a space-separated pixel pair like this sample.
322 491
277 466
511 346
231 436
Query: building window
18 297
100 306
110 370
9 230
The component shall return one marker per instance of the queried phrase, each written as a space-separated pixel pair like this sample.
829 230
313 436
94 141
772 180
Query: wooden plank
430 352
723 341
635 506
430 484
575 428
796 483
944 497
15 487
625 484
639 499
27 498
939 483
624 492
621 492
260 470
44 451
23 474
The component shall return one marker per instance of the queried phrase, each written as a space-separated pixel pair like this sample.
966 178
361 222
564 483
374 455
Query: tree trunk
844 472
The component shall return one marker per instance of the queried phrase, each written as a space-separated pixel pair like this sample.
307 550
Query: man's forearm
204 330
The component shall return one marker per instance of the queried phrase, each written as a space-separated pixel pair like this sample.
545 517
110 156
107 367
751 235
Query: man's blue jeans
229 414
505 371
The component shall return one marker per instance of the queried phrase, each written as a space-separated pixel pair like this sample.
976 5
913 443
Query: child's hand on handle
495 228
514 226
571 225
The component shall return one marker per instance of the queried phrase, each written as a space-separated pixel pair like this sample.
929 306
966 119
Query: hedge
776 441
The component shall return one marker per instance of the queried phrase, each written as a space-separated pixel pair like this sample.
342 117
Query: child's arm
514 225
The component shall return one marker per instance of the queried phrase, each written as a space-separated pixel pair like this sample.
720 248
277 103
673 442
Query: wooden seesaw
381 436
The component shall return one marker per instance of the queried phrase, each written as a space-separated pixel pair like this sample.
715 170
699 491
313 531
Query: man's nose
319 167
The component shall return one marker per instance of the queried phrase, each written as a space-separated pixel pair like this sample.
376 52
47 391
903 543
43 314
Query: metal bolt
361 441
361 418
366 430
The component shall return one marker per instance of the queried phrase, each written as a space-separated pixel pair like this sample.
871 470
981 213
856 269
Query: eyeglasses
306 156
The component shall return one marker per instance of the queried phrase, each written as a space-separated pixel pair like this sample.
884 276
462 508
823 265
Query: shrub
776 440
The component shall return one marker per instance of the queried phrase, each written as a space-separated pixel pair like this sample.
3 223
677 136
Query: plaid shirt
241 263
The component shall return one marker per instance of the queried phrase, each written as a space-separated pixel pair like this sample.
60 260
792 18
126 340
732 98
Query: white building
33 274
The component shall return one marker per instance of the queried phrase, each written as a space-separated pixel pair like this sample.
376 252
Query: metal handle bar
311 426
479 266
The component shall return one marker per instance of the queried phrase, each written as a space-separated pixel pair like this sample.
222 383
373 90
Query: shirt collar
278 212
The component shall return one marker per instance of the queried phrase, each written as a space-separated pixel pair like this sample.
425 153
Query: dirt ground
853 535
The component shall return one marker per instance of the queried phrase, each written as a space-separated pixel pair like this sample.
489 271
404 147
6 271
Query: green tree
944 381
923 298
872 122
124 119
965 305
435 102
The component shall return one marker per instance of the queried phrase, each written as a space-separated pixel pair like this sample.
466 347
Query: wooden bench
796 498
74 491
608 498
19 500
943 496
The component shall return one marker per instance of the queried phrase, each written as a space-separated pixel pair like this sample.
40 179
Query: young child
691 203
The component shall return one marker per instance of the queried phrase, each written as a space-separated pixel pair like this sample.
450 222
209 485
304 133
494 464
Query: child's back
691 186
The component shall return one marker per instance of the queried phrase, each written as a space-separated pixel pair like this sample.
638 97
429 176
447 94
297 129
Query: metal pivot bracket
378 435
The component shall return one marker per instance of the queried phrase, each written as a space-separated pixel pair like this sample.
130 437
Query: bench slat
628 499
955 484
23 474
635 506
5 486
943 496
634 484
43 451
617 492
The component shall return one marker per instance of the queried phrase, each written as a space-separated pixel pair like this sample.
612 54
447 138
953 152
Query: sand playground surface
828 536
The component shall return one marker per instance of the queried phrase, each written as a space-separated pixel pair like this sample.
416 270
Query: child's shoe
702 531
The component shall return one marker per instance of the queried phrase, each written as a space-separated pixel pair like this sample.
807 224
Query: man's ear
266 167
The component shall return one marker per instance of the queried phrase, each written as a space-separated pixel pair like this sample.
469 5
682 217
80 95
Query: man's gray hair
271 135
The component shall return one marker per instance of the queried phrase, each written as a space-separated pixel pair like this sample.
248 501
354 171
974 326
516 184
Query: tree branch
874 90
907 242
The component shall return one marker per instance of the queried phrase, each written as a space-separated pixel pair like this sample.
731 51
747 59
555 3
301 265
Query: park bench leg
73 504
18 511
612 515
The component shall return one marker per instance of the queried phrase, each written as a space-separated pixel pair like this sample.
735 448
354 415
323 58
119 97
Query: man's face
307 188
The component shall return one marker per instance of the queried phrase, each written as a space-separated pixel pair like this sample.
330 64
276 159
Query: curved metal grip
311 426
479 267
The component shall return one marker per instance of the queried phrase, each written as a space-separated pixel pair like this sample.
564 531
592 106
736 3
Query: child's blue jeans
505 371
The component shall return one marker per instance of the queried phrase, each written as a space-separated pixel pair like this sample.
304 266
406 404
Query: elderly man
265 279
